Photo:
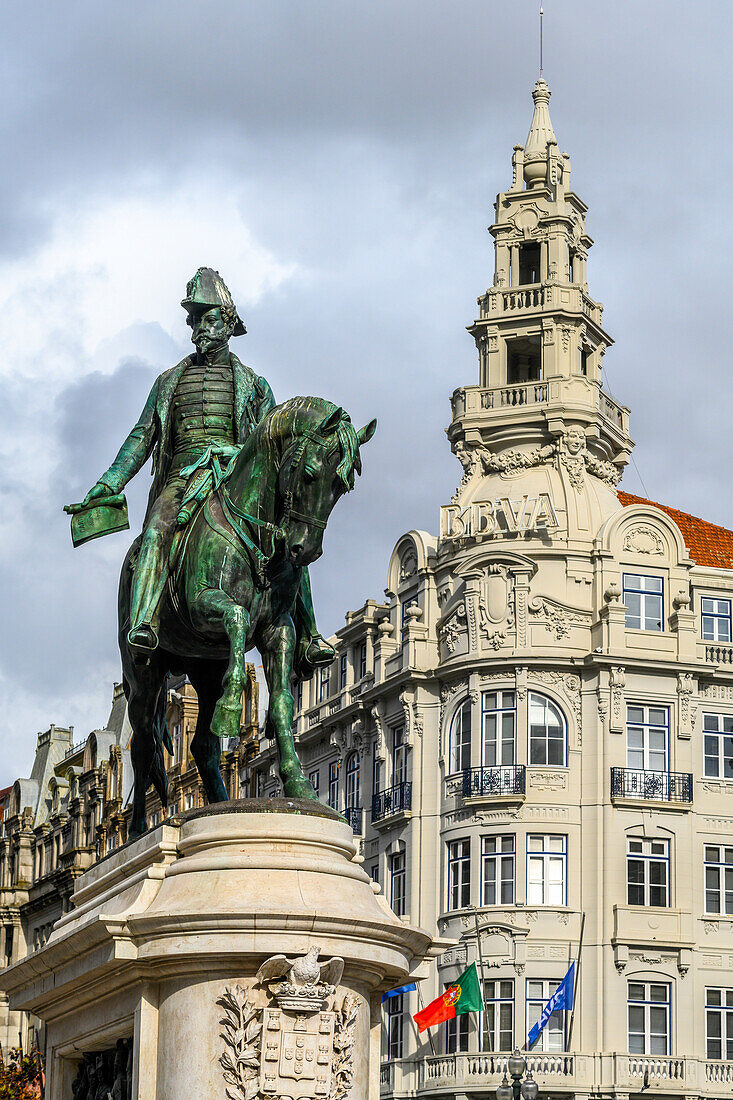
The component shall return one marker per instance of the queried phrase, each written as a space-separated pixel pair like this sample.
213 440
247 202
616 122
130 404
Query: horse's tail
162 739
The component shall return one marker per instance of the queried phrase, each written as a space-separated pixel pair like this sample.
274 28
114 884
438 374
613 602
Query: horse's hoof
299 787
225 723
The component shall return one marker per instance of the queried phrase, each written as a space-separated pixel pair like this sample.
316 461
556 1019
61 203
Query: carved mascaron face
574 441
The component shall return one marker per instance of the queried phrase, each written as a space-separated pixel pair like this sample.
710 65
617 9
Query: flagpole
575 983
483 978
430 1037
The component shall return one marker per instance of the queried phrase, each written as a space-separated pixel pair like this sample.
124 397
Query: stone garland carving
602 709
413 717
557 617
447 692
380 742
270 1050
617 683
570 451
454 627
242 1034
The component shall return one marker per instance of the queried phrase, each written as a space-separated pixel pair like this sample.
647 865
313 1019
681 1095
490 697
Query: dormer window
529 263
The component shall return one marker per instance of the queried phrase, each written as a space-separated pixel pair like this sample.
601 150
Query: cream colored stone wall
522 592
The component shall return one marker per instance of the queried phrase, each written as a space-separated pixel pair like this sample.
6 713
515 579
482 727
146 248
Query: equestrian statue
242 491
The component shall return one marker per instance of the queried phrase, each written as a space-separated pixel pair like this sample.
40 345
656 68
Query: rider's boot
312 650
148 582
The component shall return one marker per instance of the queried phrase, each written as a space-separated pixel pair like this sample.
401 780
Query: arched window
460 739
353 782
499 712
547 732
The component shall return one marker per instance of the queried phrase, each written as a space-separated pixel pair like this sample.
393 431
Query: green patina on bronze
242 490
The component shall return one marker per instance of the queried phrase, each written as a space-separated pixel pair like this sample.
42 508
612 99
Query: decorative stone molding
380 741
547 780
643 539
408 565
413 717
617 683
496 604
557 616
685 691
301 1048
721 692
447 692
454 627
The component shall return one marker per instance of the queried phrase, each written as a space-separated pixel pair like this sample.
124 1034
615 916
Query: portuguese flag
463 996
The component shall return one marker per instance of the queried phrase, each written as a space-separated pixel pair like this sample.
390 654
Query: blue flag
396 992
561 999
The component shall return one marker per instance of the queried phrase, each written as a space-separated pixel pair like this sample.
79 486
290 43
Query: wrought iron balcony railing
392 801
657 786
353 815
503 779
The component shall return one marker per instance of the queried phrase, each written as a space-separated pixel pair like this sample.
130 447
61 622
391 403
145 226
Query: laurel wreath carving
343 1047
242 1033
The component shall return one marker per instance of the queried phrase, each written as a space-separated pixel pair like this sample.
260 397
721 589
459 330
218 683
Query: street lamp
527 1089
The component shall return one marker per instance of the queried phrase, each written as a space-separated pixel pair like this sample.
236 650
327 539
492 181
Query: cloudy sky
337 162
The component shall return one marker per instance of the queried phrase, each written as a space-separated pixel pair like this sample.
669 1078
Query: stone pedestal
241 948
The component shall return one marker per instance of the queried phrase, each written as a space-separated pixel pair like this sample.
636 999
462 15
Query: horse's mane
303 416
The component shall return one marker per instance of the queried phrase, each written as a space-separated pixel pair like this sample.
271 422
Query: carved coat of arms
298 1048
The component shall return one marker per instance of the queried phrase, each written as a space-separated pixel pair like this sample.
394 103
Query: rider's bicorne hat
207 288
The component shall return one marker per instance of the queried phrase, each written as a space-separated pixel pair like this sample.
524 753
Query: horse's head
318 465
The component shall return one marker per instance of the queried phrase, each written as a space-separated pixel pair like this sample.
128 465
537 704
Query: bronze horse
234 587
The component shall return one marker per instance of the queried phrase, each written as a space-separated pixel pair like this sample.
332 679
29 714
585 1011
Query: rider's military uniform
191 408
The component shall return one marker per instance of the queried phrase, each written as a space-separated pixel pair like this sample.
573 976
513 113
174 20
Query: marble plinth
166 939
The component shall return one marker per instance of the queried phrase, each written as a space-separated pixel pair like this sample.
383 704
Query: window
299 696
647 871
333 783
315 780
643 597
497 871
718 745
546 732
647 737
648 1014
9 928
376 771
110 846
456 1033
718 879
374 872
572 261
395 1026
546 856
177 743
719 1024
499 1022
154 819
499 726
399 756
362 660
353 782
529 263
459 874
460 739
524 361
552 1036
343 669
397 883
715 619
324 677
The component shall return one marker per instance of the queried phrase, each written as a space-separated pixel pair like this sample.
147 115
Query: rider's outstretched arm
136 449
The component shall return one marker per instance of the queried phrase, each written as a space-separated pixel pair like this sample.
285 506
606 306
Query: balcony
394 800
355 817
581 394
494 782
649 786
558 1074
719 654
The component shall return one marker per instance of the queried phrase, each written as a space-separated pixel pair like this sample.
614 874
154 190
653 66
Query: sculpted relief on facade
300 1046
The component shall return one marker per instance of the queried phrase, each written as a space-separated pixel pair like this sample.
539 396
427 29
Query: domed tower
542 444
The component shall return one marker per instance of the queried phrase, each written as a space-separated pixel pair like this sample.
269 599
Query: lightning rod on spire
541 14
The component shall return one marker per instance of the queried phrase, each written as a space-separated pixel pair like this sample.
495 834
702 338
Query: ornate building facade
73 810
533 732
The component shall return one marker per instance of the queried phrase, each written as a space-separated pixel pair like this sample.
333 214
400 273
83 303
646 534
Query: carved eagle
305 970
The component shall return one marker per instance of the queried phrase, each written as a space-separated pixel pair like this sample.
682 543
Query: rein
234 515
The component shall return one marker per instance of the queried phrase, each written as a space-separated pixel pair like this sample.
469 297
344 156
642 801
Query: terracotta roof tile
707 544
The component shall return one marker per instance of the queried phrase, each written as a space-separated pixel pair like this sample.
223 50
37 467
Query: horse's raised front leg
215 606
278 649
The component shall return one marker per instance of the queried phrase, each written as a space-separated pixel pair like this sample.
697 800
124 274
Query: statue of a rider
195 419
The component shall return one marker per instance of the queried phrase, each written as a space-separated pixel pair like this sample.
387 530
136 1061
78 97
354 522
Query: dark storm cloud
365 144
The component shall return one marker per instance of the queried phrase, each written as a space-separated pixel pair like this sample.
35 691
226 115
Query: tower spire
541 14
